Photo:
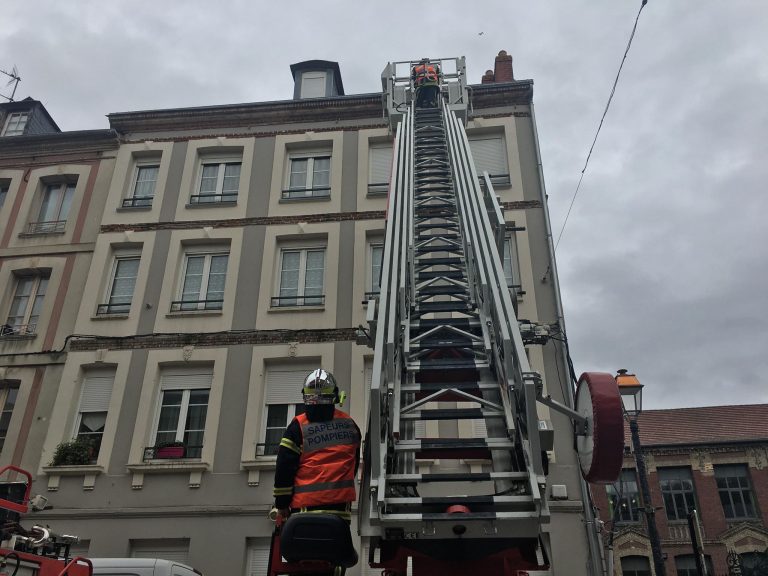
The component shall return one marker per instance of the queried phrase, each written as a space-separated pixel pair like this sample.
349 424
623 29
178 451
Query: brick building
713 459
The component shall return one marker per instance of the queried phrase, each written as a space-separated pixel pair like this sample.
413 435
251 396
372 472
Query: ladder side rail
515 362
383 358
493 208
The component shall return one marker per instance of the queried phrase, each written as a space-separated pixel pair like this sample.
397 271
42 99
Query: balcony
172 452
194 305
306 193
108 309
226 198
138 202
285 301
8 330
49 227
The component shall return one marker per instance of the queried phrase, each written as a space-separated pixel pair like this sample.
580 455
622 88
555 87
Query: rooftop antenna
14 79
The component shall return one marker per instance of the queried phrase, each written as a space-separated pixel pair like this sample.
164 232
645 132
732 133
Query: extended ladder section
453 449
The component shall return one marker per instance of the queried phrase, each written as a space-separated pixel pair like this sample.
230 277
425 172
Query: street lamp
632 397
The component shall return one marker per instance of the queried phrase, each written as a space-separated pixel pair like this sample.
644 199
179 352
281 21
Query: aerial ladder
448 350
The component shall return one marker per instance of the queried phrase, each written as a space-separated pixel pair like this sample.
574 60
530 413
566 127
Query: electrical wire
599 127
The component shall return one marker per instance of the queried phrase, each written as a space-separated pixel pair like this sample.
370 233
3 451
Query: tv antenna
14 79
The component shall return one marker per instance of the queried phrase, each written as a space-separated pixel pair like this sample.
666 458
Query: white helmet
320 388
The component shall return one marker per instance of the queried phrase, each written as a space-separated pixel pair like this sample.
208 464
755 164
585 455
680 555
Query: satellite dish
601 446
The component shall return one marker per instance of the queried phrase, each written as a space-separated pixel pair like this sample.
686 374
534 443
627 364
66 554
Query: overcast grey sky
663 262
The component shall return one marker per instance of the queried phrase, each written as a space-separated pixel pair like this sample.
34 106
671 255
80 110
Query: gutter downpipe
597 560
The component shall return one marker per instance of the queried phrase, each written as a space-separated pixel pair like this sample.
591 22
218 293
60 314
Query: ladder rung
465 500
456 477
451 414
454 443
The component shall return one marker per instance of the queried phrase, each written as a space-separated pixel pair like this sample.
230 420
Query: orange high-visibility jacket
424 74
326 473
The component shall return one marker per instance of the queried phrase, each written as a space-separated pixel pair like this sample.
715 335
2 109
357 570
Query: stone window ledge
89 473
194 467
254 467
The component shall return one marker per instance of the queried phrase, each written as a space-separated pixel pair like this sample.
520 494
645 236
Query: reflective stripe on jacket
329 452
424 74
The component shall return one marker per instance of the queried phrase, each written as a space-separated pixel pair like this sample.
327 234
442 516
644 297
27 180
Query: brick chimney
487 77
503 68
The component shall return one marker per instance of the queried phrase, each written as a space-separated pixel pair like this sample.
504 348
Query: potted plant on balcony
169 450
77 452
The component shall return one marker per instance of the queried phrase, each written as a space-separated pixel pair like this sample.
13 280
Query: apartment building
712 459
234 249
50 211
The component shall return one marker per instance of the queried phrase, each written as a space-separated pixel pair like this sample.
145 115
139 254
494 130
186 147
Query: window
183 409
379 167
26 305
15 124
173 549
685 565
309 177
258 557
203 285
57 199
301 278
635 566
677 491
735 491
4 186
94 404
9 391
219 182
121 287
313 84
284 401
490 154
625 496
375 258
754 563
143 189
512 262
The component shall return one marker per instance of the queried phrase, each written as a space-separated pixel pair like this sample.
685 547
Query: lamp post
632 396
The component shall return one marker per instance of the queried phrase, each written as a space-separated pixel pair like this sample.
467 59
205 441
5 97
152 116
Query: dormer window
313 84
15 124
316 79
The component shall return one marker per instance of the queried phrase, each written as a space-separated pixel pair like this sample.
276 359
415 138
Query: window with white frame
219 181
9 391
735 491
512 262
15 124
143 185
94 405
203 282
375 259
379 167
301 277
122 283
4 187
182 410
284 401
490 154
27 303
54 209
258 557
313 84
309 176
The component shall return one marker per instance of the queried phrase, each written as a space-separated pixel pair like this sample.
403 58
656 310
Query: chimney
503 68
487 77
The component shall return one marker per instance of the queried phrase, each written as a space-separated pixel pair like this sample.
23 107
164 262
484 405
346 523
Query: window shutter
379 163
258 558
284 383
313 85
97 391
186 378
489 154
173 552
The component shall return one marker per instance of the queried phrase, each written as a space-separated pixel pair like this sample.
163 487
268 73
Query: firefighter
319 454
426 80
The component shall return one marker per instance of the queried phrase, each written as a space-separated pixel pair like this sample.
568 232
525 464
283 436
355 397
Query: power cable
608 104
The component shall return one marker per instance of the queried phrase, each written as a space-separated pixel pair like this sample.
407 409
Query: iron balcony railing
191 305
48 227
18 330
106 309
172 452
138 202
303 193
226 198
279 301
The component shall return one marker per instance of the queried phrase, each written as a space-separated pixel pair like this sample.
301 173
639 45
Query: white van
140 567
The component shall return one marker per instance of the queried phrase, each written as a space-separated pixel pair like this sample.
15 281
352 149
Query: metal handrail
18 330
279 301
192 305
47 227
299 193
225 198
105 309
138 202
